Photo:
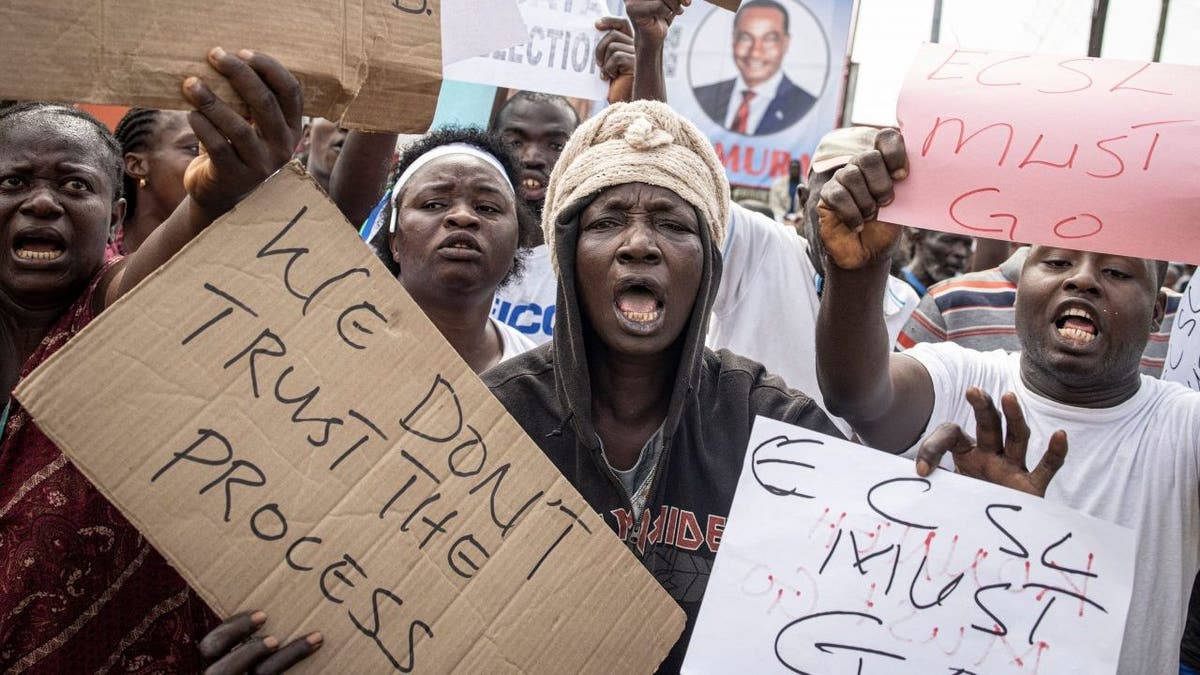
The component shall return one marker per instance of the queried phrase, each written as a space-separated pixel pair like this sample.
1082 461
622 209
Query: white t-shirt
1134 464
527 303
767 307
515 342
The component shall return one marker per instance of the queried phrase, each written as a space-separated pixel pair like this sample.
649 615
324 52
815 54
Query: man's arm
238 156
615 56
887 398
360 173
651 22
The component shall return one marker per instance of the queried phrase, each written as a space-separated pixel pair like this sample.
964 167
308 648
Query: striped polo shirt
976 311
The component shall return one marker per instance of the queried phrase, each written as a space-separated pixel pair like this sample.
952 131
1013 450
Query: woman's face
56 207
638 265
456 229
173 147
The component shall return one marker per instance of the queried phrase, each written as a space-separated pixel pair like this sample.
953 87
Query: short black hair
533 97
527 223
765 4
134 133
116 163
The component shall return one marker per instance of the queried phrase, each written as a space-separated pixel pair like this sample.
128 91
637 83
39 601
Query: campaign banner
470 28
764 84
558 58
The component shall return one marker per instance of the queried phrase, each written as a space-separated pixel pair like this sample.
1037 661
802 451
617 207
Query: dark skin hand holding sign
889 398
238 155
56 186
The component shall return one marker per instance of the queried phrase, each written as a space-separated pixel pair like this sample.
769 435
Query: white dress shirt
765 93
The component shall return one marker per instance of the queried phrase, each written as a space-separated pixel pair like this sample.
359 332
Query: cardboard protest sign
1083 153
378 63
1183 356
559 57
471 28
286 426
839 559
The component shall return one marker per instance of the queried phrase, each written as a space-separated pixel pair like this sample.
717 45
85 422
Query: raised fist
848 211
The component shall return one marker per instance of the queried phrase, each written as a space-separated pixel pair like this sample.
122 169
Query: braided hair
135 132
116 165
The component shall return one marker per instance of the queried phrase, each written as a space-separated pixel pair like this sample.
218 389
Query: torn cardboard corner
293 434
374 65
731 5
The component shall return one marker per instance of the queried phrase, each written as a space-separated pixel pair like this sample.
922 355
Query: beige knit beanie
640 142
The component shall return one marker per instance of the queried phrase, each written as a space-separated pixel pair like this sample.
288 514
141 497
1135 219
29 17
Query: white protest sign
1183 356
838 559
471 28
559 57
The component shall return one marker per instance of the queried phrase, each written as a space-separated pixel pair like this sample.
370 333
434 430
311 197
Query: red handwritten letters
1085 153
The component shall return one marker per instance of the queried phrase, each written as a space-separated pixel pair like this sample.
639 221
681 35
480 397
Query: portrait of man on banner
761 99
763 84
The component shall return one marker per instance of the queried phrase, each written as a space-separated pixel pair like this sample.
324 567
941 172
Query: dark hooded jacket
716 397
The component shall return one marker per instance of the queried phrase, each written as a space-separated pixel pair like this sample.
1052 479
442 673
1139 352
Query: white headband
438 153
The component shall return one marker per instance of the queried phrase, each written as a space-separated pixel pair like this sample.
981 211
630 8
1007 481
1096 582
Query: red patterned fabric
116 247
80 590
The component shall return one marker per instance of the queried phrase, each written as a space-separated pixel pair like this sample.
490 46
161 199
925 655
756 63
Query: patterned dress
81 591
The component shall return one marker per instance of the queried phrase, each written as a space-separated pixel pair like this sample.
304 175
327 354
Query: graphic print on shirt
677 546
529 318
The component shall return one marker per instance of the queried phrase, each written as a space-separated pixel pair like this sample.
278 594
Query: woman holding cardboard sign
83 591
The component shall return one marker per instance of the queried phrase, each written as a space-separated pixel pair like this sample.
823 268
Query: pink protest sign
1092 154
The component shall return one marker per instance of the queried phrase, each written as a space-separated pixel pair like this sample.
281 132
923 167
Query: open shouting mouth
1077 325
639 304
39 245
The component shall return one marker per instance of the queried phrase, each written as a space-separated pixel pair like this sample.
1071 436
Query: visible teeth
1076 334
641 317
531 184
37 255
1078 312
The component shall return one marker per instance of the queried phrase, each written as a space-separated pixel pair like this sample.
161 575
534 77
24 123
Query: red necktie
742 119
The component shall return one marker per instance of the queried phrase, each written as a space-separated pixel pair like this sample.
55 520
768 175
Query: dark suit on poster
790 104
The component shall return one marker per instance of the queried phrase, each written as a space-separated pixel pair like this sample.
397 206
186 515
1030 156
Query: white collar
769 89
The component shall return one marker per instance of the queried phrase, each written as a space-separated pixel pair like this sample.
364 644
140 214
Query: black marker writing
894 519
1023 553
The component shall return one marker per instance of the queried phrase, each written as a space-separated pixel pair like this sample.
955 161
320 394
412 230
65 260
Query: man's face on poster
760 41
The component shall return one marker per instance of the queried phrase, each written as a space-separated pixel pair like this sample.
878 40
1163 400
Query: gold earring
141 182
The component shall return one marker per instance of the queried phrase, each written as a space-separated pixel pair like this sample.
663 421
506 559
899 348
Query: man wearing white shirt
761 100
1083 320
